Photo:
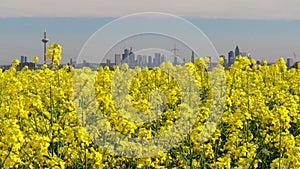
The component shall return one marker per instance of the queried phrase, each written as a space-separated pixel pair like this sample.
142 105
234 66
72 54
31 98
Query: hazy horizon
267 29
264 39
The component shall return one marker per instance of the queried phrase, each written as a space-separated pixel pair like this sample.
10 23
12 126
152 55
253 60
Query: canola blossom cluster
63 118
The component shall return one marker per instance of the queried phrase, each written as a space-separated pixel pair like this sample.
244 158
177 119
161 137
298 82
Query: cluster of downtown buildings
129 57
141 60
233 54
133 60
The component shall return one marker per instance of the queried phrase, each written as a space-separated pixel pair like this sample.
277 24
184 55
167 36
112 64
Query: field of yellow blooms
42 124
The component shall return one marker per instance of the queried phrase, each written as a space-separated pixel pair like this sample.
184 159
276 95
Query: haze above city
268 30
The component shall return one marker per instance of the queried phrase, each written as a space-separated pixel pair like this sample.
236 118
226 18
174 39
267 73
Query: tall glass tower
237 51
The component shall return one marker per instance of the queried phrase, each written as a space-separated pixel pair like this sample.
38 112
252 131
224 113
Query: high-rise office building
108 62
149 61
230 58
128 57
162 59
139 60
225 63
23 59
131 61
193 57
144 60
175 60
157 59
117 59
243 53
237 51
289 62
125 54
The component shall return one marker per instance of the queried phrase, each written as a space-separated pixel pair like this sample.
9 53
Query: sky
245 9
267 29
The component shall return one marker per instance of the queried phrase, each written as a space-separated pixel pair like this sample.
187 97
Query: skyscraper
131 62
157 59
230 58
117 59
23 59
139 60
289 62
162 59
149 61
193 57
237 51
175 60
125 54
108 62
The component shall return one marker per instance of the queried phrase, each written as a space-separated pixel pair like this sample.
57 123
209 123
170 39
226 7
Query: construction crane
296 62
175 50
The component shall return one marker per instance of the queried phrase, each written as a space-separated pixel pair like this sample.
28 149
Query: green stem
51 119
280 152
2 164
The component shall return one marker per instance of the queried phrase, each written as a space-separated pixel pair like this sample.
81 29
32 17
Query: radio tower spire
45 41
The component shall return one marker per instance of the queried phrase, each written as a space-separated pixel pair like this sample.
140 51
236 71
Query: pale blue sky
267 29
233 9
263 38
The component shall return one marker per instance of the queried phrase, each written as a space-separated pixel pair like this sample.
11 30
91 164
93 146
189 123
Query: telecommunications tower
45 41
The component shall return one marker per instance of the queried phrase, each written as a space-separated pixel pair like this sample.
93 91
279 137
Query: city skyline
273 40
269 29
154 60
